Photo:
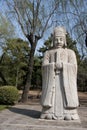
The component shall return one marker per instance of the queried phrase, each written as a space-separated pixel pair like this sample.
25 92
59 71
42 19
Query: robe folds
70 87
48 85
59 87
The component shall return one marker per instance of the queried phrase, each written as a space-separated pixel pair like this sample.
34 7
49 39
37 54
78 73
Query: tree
37 74
34 18
47 45
6 28
6 31
82 75
14 62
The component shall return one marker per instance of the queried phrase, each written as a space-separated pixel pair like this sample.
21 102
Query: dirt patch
34 97
83 98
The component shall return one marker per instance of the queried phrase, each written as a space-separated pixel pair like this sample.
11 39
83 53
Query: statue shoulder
48 51
70 51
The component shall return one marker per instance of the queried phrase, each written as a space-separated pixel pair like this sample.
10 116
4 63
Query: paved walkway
26 117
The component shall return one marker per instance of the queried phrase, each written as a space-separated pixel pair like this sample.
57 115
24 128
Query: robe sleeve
70 81
46 58
48 82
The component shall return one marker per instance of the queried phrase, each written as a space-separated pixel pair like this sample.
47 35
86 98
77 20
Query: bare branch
1 58
27 14
19 21
56 5
37 11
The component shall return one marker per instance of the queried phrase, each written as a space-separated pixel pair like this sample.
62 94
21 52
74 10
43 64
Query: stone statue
59 98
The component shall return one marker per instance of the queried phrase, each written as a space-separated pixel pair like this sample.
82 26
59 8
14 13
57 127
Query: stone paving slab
37 127
26 117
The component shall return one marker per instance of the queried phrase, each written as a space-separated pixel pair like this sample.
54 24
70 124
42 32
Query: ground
27 116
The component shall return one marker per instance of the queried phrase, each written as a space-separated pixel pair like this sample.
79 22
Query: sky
18 31
47 34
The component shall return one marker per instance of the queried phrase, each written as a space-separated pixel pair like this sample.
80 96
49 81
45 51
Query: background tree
6 28
33 18
82 75
15 60
47 45
6 31
37 73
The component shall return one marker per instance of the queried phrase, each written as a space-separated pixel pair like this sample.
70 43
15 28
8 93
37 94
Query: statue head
59 37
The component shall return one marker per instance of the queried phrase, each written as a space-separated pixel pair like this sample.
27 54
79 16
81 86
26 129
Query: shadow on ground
30 113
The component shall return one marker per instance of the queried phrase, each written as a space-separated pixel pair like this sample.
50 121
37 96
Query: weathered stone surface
59 87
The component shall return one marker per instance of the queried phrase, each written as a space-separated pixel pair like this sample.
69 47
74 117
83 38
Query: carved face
59 41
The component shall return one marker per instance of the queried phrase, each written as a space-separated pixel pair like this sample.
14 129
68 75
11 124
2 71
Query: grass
2 107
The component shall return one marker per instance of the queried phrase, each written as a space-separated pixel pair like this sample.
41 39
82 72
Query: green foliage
2 107
71 44
8 95
82 65
46 46
82 75
37 75
6 28
15 60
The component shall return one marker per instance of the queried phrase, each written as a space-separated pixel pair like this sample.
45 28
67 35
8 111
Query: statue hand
58 66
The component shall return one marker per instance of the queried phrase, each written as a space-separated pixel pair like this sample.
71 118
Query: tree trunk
17 71
1 74
29 74
3 79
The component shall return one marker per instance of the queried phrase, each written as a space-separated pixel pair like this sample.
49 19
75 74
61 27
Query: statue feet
71 117
68 117
48 117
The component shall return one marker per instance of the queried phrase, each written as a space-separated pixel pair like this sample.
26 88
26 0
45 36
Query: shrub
8 95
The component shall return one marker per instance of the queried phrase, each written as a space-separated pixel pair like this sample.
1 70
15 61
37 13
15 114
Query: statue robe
59 87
